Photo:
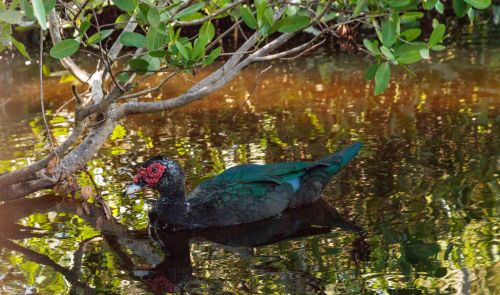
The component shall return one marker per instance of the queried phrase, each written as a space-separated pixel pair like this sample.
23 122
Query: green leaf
64 48
212 56
158 53
189 10
154 40
438 48
439 7
429 4
20 47
182 50
471 14
27 9
99 36
84 26
399 3
411 34
408 53
48 5
121 21
370 72
193 16
292 24
123 77
424 53
387 53
199 48
12 17
382 76
248 18
207 31
269 15
154 63
133 39
411 16
154 17
139 65
389 28
435 22
260 6
360 6
125 5
372 46
437 35
460 7
39 12
479 4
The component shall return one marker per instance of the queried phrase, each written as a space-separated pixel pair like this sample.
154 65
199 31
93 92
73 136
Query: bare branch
211 83
299 49
185 4
81 8
152 89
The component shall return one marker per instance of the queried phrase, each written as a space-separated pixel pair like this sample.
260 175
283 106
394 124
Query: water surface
423 195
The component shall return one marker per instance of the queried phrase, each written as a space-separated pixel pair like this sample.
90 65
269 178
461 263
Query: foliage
160 39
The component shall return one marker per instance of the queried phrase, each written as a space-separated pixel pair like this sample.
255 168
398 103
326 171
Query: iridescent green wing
248 180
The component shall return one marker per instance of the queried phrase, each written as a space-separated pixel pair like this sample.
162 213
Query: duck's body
241 194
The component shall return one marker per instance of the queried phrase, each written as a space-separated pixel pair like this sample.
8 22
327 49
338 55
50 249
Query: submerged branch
42 259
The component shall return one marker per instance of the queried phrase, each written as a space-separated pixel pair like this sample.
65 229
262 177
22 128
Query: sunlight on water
425 189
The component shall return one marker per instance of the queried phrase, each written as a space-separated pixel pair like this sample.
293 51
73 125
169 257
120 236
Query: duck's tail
341 158
314 181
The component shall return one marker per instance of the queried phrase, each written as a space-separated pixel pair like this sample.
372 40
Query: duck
242 194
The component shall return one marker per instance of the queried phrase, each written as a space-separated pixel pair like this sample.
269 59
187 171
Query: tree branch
150 90
23 173
211 83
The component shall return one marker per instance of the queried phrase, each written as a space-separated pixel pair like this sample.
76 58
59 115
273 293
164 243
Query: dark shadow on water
313 219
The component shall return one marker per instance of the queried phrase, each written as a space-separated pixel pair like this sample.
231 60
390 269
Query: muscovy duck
241 194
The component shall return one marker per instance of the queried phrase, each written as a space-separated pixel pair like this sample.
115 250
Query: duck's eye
154 169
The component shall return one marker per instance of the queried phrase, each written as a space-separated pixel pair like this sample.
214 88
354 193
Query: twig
42 101
149 90
223 35
81 8
76 94
305 51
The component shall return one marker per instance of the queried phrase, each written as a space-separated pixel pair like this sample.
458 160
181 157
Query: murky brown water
417 210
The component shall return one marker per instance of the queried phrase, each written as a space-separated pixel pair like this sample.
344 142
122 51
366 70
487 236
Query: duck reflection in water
176 271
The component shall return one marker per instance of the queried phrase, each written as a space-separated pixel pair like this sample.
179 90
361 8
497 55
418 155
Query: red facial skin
151 174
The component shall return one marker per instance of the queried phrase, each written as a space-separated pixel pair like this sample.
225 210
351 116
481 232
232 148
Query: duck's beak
133 188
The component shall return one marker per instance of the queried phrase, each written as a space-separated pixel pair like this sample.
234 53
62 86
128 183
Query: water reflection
425 188
315 219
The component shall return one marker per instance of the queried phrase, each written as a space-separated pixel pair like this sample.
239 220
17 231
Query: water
417 210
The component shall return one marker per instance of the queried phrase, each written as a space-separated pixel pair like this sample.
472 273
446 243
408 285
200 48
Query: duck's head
159 173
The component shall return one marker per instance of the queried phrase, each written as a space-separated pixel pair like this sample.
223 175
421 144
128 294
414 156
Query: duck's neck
171 208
